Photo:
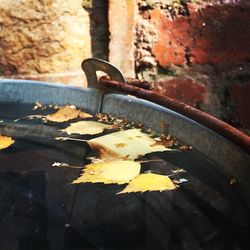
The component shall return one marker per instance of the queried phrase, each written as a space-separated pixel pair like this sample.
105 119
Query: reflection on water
41 209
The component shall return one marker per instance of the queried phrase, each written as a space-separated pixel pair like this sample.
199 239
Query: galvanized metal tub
230 160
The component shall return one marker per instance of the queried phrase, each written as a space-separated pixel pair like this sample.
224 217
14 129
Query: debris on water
117 123
37 105
179 181
69 139
60 164
165 140
185 148
232 181
66 165
29 117
178 171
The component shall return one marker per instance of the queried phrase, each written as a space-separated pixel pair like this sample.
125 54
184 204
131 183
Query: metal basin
211 212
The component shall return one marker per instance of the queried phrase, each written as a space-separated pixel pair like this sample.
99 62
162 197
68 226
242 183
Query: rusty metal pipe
218 126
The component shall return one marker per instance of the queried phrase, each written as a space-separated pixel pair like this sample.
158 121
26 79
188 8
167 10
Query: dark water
40 209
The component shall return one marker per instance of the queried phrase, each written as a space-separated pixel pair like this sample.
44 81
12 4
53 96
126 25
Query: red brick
192 8
184 90
215 34
172 38
240 97
222 32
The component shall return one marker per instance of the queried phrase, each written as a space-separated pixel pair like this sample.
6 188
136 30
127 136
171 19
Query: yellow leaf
149 182
86 128
128 144
110 172
66 113
5 141
84 115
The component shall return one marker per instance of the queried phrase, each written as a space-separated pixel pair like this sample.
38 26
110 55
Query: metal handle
92 65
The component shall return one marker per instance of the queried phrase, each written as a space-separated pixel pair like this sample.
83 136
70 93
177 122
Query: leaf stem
69 139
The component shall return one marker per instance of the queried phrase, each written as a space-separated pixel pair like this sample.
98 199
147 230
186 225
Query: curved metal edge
26 91
91 65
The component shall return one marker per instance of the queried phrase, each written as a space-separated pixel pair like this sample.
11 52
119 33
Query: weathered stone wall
198 53
44 39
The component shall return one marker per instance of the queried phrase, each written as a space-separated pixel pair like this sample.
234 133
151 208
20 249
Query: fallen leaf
110 172
66 113
86 128
149 182
5 141
127 144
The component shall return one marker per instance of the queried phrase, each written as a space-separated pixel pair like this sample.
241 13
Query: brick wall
198 53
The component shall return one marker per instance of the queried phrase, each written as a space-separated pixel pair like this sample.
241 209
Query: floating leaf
128 144
149 182
110 172
66 113
5 141
86 128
